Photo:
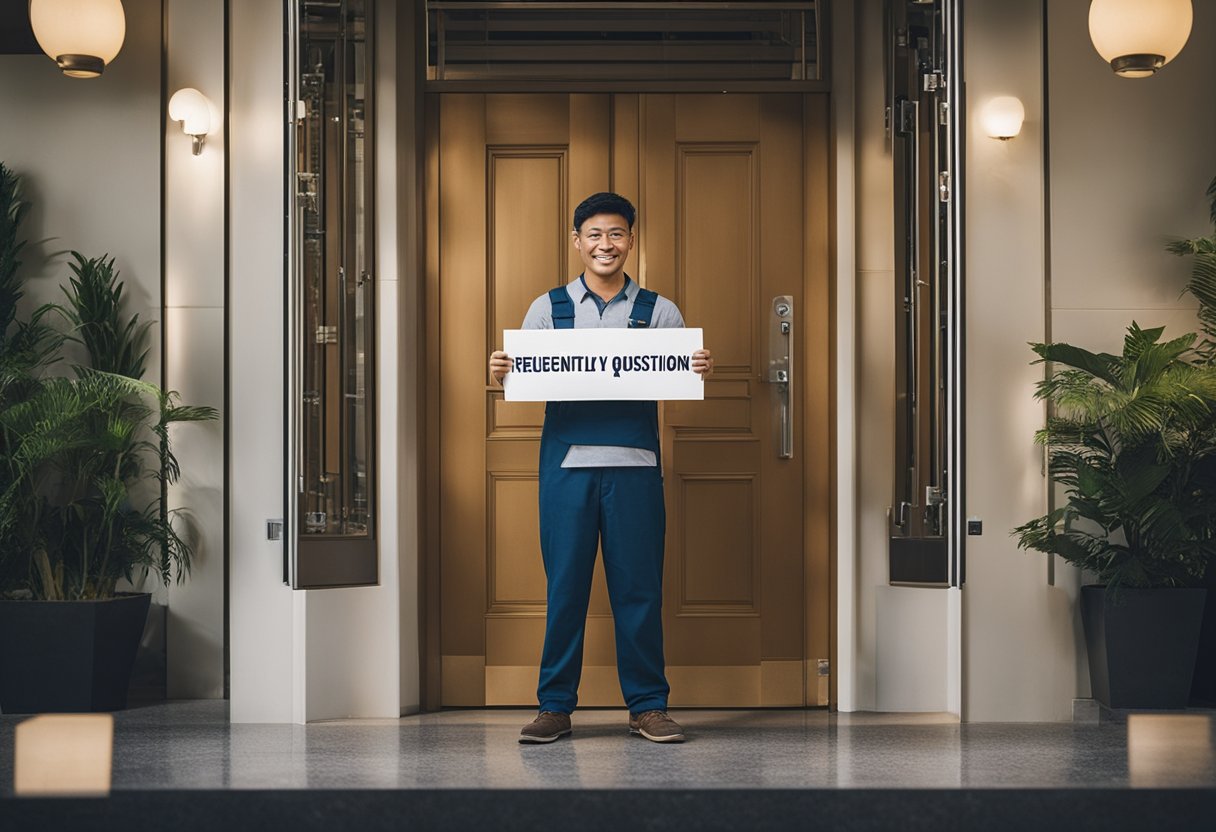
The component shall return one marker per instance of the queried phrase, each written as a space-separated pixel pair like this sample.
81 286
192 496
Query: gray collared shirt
592 312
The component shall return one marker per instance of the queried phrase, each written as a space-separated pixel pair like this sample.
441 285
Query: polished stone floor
191 745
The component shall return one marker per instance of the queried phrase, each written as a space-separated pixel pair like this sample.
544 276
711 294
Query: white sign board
552 365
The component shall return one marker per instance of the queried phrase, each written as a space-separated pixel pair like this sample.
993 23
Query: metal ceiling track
639 43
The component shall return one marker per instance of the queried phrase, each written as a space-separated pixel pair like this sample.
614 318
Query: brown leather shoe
547 727
656 726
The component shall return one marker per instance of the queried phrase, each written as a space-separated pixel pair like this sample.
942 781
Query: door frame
819 253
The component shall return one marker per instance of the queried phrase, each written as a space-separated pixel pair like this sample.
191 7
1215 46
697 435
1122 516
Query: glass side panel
334 266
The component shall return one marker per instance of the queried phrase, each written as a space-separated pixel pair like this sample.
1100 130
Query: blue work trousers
622 509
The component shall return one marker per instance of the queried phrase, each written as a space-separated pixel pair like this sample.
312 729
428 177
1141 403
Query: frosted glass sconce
1002 117
193 110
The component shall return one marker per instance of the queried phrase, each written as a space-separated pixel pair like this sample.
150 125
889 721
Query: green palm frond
12 212
1210 193
1137 340
190 413
1151 359
95 310
1132 441
1203 286
1100 365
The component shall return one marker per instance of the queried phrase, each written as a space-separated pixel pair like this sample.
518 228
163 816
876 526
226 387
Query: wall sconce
1002 117
1138 37
82 36
193 110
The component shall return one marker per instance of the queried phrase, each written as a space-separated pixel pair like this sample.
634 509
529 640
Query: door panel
732 190
720 185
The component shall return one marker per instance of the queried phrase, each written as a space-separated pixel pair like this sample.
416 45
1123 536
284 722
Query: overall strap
563 308
643 308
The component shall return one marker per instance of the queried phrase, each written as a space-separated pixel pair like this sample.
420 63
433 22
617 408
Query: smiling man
601 485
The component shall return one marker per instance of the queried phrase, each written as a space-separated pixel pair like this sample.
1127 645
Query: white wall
1130 159
1019 655
88 152
194 344
354 636
319 654
266 619
844 266
899 634
875 344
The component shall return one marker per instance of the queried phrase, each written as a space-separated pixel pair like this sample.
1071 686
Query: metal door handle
781 370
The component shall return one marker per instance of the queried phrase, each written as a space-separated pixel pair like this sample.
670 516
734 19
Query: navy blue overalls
620 508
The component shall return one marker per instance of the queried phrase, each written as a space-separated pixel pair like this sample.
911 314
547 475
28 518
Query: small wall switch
975 526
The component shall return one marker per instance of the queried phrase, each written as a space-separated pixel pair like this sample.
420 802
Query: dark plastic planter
1203 689
1142 644
69 656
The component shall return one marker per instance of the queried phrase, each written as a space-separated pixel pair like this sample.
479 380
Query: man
600 483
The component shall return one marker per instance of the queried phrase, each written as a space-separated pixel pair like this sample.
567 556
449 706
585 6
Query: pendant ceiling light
82 36
1138 37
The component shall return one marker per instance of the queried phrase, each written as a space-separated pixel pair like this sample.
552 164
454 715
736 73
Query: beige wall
194 343
88 152
1129 160
875 276
900 633
844 267
1019 655
267 620
299 656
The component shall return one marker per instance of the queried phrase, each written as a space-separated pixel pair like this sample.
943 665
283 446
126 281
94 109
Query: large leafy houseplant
1202 286
1132 439
85 459
1133 442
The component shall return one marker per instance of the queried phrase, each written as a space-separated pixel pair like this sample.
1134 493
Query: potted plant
1132 440
1202 286
85 461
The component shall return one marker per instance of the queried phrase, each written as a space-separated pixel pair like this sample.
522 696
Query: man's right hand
500 365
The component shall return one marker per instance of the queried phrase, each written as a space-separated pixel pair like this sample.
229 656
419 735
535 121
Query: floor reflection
1163 749
191 745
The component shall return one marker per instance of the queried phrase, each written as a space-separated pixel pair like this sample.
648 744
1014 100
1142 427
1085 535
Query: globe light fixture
81 36
1138 37
1002 117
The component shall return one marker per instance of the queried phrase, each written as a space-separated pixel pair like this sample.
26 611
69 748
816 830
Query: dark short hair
604 202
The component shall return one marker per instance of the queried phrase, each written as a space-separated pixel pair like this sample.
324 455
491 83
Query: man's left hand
703 363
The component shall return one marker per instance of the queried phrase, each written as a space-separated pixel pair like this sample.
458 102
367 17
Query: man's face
604 242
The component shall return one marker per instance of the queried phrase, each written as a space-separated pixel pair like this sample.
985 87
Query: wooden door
731 196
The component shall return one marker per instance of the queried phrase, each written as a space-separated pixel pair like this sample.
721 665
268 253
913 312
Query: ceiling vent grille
536 40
